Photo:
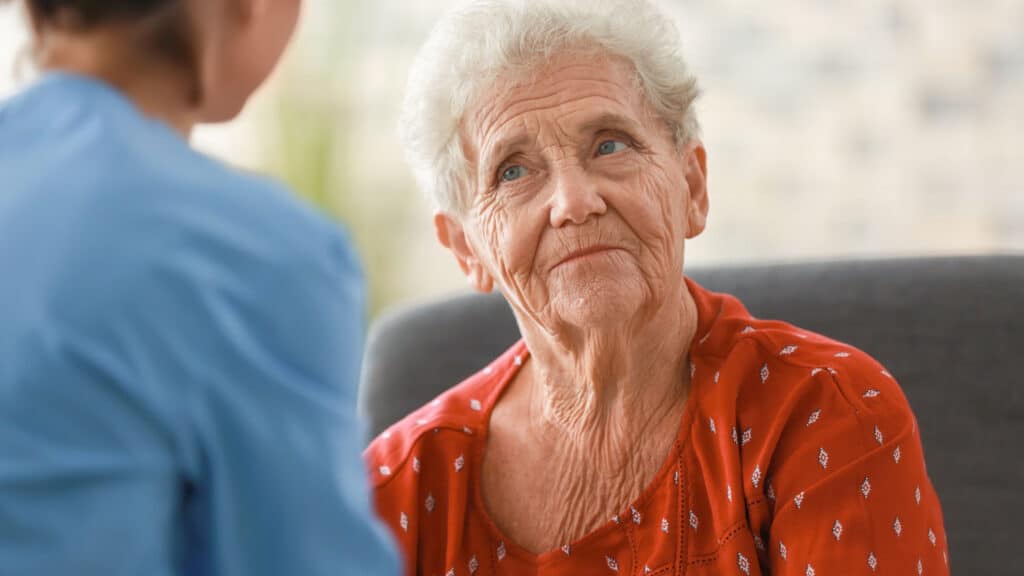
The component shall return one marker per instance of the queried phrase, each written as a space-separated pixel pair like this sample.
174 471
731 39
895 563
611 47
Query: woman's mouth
585 253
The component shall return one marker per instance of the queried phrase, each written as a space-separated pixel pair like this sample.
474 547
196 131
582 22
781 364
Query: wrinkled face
581 198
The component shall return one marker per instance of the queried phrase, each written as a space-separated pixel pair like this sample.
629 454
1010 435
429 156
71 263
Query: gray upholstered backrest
951 330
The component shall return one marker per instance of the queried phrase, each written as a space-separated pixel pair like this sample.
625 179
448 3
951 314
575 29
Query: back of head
163 27
220 51
91 12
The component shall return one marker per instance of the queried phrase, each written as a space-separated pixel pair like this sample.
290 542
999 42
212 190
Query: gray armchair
950 329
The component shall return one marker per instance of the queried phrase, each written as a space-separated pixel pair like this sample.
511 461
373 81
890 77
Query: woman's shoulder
234 220
760 359
87 145
202 193
449 424
815 434
777 389
116 231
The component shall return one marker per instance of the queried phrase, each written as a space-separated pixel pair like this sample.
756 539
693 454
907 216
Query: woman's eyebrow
491 154
610 121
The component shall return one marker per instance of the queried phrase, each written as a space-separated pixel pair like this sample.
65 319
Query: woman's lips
584 253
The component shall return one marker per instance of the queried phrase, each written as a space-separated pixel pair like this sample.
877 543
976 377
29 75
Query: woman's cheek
517 246
662 202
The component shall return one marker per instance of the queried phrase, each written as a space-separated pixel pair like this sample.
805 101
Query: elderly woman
643 425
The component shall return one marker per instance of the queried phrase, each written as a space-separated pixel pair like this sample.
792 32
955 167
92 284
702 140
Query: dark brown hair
88 13
165 30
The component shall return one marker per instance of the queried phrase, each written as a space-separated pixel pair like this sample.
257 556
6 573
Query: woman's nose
576 197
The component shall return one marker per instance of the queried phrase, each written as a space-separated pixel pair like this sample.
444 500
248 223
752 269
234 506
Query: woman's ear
695 161
452 235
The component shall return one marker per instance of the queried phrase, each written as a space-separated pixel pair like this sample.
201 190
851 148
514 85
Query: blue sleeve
272 346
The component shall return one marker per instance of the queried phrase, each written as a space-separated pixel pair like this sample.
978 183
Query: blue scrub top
179 354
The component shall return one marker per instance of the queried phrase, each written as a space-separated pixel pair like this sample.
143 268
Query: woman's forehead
579 94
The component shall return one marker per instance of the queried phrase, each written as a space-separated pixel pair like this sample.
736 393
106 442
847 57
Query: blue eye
513 173
610 147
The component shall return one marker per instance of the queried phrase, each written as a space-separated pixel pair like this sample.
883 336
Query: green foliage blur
310 151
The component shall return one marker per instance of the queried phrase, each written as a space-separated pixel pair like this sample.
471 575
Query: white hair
471 49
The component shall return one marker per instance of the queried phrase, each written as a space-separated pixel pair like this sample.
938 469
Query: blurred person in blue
179 341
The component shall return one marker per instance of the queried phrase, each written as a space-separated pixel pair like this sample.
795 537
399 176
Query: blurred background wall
834 129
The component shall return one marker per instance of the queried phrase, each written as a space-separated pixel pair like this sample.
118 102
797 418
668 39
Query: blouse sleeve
396 494
852 493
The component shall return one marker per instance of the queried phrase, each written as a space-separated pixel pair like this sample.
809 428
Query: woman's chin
598 304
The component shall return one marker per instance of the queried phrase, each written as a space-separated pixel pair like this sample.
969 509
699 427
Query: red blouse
796 455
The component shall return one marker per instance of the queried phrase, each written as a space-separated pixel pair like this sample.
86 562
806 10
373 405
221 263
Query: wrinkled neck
607 389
